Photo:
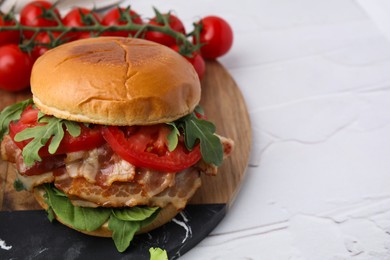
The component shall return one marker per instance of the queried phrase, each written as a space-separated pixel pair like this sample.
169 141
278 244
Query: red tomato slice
147 147
88 139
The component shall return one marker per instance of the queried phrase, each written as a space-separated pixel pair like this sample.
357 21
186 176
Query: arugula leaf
18 185
150 219
173 137
12 113
134 213
58 192
50 214
123 223
158 254
53 130
81 218
72 128
195 130
199 110
122 231
40 115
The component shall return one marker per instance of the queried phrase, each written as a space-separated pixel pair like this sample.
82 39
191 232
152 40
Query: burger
113 141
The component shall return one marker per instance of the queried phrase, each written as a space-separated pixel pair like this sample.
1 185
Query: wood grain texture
223 104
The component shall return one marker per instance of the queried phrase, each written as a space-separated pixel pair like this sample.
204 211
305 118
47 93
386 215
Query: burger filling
100 167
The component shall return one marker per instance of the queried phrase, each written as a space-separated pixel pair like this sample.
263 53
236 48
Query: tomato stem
97 28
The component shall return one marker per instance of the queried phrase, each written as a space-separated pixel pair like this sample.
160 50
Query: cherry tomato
88 139
75 19
217 35
146 146
32 15
8 36
196 60
113 17
38 49
15 68
163 38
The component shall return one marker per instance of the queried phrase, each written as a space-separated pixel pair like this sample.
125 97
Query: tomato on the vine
15 68
162 38
217 35
40 49
146 146
78 18
113 17
196 60
36 14
8 36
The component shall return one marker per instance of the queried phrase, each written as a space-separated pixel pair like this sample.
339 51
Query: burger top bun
115 81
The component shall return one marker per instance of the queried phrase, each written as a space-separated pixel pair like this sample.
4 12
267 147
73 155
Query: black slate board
32 236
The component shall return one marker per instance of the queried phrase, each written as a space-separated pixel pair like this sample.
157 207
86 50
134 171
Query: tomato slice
89 138
147 147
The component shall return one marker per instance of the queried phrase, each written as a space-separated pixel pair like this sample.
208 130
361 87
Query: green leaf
58 192
158 254
11 113
134 213
120 221
40 115
160 18
56 139
18 185
150 219
73 128
124 223
199 110
81 218
122 231
40 136
52 129
173 137
50 214
203 131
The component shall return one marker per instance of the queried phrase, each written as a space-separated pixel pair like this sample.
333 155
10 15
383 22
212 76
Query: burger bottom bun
165 215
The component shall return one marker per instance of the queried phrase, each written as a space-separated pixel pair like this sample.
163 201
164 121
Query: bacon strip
99 177
176 189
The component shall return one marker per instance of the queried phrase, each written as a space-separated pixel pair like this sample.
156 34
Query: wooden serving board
224 105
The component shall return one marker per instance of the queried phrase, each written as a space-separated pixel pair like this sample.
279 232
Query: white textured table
316 78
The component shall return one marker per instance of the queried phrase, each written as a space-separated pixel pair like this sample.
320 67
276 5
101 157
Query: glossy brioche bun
115 81
165 215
